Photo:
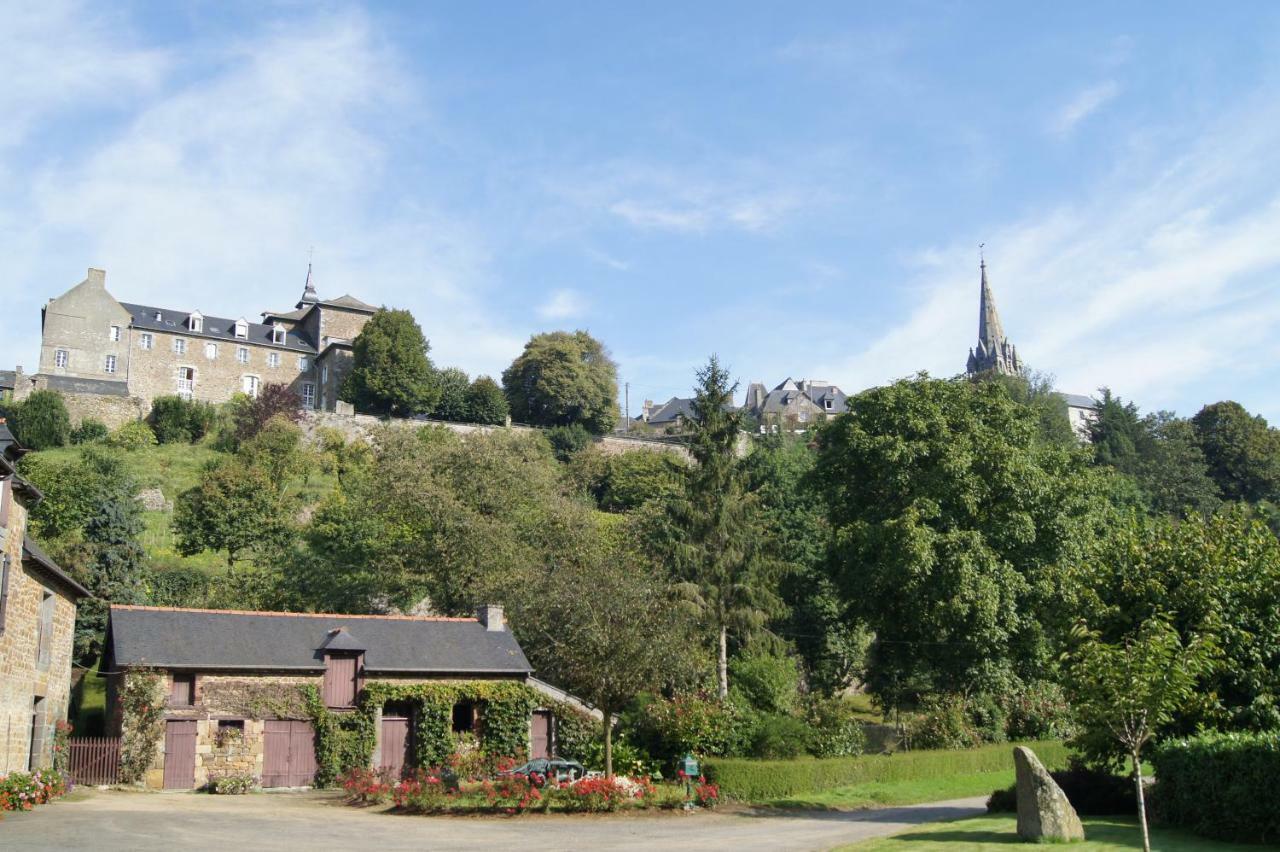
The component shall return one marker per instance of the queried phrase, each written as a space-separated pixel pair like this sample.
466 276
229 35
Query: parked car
558 768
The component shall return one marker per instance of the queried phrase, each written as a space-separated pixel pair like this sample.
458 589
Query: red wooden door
394 753
179 755
288 753
541 734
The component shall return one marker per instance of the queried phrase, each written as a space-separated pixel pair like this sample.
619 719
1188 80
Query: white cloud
563 304
1081 106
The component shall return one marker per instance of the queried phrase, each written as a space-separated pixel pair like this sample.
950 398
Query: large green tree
485 402
40 421
236 508
451 403
1243 452
391 373
562 378
952 525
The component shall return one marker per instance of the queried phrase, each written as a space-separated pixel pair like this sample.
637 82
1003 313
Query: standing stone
1043 810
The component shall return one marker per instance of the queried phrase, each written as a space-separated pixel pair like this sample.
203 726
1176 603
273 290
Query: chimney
98 276
490 615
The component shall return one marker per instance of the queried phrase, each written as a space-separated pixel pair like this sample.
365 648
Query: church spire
990 332
994 351
309 296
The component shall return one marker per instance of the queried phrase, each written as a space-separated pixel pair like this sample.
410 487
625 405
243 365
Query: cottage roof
8 379
1077 400
223 639
672 409
33 554
214 328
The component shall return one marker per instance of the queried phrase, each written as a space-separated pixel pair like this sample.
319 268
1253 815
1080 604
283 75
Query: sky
798 188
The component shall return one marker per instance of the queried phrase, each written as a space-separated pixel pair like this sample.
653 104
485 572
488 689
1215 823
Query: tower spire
994 351
309 296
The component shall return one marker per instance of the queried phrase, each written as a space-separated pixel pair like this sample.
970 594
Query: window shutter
46 629
4 590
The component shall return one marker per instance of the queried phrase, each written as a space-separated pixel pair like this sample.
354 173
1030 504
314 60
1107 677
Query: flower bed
22 791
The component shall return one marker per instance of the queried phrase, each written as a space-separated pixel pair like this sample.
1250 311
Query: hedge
1221 785
759 780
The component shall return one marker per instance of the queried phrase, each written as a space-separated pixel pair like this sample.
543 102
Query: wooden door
340 674
179 755
541 725
394 753
288 753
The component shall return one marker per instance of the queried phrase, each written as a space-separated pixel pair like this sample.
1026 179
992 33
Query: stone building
232 681
994 352
37 623
794 406
110 359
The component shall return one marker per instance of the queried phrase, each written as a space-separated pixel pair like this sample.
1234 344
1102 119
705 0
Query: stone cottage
110 359
237 687
37 623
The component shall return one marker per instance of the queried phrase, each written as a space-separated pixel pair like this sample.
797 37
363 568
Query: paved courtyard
112 820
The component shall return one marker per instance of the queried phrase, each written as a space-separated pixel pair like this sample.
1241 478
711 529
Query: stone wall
22 679
114 411
80 323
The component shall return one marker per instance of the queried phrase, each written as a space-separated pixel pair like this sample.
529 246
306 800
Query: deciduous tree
391 373
562 378
235 508
1243 452
485 402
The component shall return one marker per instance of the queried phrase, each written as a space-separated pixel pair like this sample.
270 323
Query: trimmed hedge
1221 785
758 780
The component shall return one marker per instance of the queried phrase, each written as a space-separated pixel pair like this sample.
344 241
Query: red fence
94 760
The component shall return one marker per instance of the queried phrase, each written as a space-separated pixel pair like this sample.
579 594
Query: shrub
943 724
41 422
1221 785
132 436
776 736
1092 792
757 780
766 682
566 441
233 785
691 724
177 421
251 414
89 431
1038 711
366 785
835 729
22 791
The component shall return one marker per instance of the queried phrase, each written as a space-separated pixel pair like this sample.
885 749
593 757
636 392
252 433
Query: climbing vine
143 700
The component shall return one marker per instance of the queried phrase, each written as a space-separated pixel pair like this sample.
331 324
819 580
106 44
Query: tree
40 421
250 414
1116 433
116 569
179 421
607 648
485 402
1124 691
1035 390
276 449
716 546
952 527
1242 451
562 378
235 508
453 385
391 374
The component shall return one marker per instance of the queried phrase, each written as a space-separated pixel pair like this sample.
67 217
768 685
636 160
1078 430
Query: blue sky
800 190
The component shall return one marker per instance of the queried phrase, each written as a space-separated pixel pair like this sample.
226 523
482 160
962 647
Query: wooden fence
94 760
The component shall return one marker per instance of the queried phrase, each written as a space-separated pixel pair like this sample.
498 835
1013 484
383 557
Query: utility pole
627 397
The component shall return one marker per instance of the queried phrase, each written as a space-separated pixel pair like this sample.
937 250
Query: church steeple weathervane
994 352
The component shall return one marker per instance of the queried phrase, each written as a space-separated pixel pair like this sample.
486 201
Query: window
211 351
242 329
341 679
829 403
110 365
146 340
249 384
303 364
182 690
6 497
61 357
115 332
273 359
242 354
195 322
186 382
44 630
277 333
464 717
308 395
4 589
804 415
324 375
180 345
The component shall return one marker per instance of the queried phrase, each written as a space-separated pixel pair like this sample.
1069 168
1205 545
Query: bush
943 724
567 441
233 785
691 724
22 791
768 683
762 780
835 729
180 421
1038 711
1092 792
132 436
778 737
41 422
1221 785
89 431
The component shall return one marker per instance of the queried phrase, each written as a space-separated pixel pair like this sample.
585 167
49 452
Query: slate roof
1078 400
74 384
222 639
673 408
215 328
349 302
7 379
31 552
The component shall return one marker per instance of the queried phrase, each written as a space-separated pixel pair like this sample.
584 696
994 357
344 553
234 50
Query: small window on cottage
145 340
241 329
61 357
115 332
242 354
109 366
229 732
186 382
249 384
211 351
277 333
180 345
195 322
829 403
308 395
273 359
4 589
182 690
302 363
464 717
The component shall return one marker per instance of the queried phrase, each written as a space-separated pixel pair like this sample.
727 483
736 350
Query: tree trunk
608 742
1142 802
722 670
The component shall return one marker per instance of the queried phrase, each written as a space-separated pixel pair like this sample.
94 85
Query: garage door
289 756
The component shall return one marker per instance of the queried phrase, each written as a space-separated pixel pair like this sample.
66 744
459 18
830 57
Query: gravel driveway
113 820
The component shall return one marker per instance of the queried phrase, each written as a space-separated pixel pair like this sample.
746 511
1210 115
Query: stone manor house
110 359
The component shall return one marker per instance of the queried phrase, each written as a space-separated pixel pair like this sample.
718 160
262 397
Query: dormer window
829 403
195 322
241 329
277 333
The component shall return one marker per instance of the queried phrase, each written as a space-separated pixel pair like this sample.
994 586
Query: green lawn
872 794
89 704
1102 834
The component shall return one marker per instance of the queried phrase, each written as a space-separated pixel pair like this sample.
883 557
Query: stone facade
110 359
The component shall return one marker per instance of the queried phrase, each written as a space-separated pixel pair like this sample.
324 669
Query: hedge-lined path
112 820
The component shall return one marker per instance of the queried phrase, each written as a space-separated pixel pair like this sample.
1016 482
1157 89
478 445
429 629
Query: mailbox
689 766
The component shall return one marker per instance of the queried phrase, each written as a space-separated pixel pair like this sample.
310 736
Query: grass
873 794
864 708
1102 834
89 704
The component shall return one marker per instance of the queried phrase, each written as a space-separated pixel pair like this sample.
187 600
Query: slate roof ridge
293 614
